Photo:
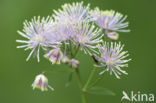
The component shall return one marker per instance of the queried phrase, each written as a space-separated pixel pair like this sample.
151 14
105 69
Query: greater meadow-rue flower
72 28
55 56
87 36
109 20
62 31
113 58
41 82
72 13
37 33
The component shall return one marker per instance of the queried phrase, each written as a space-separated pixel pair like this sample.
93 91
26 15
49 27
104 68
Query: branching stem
89 79
84 98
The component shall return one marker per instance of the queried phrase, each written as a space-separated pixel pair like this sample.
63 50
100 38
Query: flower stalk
89 79
84 98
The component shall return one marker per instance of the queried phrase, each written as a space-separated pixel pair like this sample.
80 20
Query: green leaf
100 91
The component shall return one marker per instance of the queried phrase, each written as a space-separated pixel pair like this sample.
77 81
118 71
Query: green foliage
100 91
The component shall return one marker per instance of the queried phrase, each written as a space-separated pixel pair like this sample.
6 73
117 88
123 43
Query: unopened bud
113 35
74 63
55 56
41 82
65 60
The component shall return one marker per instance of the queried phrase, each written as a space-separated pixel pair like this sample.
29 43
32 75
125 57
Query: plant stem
97 80
71 49
89 79
84 99
83 94
77 49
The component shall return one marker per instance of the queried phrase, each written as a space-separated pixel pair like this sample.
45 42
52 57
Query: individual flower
41 82
37 33
74 63
113 58
87 36
109 20
55 55
72 13
62 32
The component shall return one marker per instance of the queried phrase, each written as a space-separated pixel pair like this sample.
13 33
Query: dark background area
17 75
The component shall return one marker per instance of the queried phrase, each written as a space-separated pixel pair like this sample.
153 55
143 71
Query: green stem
96 81
83 94
69 79
77 49
89 79
71 49
84 98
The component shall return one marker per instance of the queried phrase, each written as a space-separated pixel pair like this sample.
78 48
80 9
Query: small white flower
72 13
37 33
109 20
113 58
62 32
41 82
87 36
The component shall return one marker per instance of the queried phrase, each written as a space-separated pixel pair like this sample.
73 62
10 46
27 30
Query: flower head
62 32
41 82
109 20
72 13
37 33
55 55
86 36
113 58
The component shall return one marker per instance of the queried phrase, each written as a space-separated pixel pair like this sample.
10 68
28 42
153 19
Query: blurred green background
17 75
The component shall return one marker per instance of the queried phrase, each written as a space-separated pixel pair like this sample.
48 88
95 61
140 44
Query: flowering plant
74 28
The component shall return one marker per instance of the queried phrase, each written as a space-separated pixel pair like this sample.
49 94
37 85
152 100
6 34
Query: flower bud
65 60
74 63
55 56
41 82
113 35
